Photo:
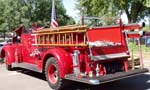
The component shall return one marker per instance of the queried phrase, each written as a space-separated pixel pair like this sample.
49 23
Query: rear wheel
52 73
8 67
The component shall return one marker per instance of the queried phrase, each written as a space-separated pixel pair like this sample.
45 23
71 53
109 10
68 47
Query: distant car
2 44
142 40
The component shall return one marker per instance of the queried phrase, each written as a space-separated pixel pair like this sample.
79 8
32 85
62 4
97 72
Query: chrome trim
94 82
76 68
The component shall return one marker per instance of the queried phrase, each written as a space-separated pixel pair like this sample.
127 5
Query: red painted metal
10 53
134 36
64 59
132 27
52 74
107 33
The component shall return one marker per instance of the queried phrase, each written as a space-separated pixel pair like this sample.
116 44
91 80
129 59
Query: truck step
29 66
106 78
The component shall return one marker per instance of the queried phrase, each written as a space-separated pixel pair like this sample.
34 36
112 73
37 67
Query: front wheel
52 73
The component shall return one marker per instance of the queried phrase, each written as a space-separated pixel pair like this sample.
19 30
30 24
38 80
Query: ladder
72 35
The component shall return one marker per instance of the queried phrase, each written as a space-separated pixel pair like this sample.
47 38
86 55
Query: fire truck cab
92 55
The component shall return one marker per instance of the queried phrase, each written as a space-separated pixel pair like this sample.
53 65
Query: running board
106 78
32 67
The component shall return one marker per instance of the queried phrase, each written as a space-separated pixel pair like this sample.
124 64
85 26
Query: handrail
62 28
62 45
62 32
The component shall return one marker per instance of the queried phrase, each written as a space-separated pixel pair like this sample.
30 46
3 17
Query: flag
54 22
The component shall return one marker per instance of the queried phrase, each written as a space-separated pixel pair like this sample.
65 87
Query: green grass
1 40
1 61
146 28
135 47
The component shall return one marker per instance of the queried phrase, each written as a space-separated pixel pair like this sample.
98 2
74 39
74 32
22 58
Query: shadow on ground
141 82
30 73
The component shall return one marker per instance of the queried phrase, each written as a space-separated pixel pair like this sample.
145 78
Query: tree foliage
16 12
135 9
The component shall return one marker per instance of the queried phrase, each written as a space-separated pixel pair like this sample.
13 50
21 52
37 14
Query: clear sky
70 7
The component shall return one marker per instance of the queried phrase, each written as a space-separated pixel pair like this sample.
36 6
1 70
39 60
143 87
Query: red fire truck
92 55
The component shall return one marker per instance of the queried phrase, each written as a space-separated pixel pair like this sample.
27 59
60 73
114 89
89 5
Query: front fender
9 51
64 60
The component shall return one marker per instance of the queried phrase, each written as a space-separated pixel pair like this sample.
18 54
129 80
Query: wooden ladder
62 36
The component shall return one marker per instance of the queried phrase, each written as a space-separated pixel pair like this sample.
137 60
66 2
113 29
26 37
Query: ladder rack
62 36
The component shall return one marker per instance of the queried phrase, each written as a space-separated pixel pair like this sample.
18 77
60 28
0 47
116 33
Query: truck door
28 49
16 43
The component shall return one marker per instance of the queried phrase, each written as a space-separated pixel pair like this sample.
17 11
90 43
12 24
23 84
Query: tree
135 9
16 12
40 11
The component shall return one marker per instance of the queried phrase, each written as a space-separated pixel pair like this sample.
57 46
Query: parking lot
21 79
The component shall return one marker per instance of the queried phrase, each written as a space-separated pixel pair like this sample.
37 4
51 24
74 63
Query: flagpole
54 22
52 12
53 3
